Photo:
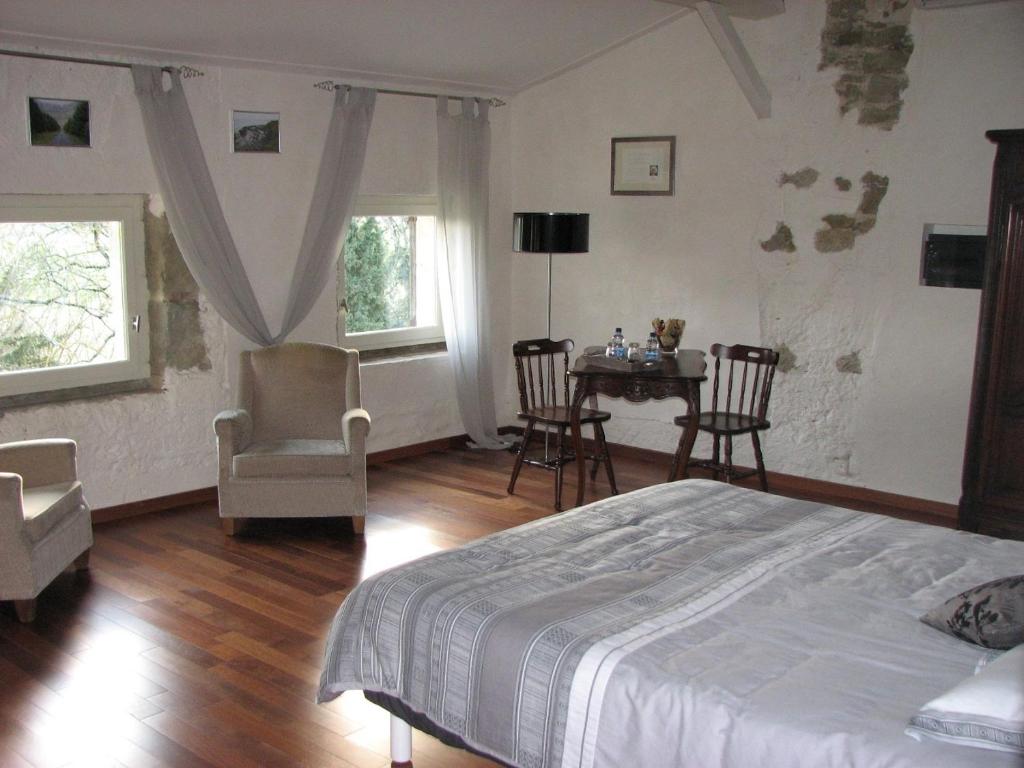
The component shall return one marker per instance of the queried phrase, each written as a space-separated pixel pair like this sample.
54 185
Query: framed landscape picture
255 131
58 122
644 165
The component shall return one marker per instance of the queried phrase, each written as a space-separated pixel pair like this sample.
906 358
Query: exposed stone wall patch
849 363
869 42
843 184
787 358
842 229
781 240
801 179
176 334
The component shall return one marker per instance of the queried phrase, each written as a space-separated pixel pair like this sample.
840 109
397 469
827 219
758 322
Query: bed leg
401 743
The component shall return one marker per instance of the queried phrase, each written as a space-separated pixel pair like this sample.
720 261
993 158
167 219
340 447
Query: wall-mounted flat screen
953 256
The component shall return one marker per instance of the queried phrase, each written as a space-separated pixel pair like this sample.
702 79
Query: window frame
395 338
126 209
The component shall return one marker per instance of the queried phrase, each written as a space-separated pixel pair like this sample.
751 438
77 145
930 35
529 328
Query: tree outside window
56 285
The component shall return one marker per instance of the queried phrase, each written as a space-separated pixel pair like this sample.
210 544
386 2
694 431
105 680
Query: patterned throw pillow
990 615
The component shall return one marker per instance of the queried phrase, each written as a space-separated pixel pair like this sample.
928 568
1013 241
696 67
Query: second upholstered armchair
296 444
45 524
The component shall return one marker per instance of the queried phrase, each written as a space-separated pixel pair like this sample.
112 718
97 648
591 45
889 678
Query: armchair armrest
40 462
11 519
233 429
355 426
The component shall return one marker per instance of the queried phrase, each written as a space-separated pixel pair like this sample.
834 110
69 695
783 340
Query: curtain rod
185 70
330 85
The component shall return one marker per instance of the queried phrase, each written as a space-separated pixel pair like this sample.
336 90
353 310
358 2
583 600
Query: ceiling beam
743 9
720 27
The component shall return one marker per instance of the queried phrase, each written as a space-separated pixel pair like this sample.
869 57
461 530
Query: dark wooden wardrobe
993 479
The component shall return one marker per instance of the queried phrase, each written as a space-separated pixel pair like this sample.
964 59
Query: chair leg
761 474
518 466
82 561
231 525
598 451
716 458
602 446
26 610
728 459
559 465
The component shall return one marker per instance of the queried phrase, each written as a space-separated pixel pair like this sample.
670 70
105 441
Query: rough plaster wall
898 425
141 446
133 446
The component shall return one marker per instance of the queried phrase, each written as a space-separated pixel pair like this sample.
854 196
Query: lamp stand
547 433
549 294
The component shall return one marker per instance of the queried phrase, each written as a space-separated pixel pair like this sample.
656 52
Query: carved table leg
689 436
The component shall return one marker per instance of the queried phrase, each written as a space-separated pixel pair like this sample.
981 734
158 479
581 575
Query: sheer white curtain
334 199
464 149
198 223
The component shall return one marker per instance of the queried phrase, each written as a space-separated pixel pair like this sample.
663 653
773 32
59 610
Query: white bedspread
798 643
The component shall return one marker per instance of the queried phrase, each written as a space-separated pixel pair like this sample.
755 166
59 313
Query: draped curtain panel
193 209
334 199
197 220
464 149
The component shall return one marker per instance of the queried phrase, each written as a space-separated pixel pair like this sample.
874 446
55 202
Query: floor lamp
550 233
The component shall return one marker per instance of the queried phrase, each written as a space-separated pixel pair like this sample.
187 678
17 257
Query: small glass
634 354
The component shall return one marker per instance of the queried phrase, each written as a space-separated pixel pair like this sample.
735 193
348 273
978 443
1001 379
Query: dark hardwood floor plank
184 648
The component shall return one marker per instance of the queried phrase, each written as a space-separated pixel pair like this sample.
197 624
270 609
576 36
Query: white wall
900 425
146 445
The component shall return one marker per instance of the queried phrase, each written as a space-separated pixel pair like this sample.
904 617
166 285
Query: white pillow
985 711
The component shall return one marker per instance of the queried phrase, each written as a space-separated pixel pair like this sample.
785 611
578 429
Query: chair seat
46 506
726 423
293 458
559 414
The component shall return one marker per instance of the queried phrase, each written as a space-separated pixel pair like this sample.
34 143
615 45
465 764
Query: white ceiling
486 46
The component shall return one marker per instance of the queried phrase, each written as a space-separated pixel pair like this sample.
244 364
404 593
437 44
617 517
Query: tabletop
686 364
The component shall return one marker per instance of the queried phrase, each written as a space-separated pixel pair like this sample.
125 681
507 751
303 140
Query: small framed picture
58 122
255 131
644 165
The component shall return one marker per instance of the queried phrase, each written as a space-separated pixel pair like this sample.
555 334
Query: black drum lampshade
551 232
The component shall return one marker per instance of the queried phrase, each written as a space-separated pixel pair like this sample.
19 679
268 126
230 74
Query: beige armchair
296 444
45 523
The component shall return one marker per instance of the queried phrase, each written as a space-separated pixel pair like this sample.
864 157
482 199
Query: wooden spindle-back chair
739 405
542 373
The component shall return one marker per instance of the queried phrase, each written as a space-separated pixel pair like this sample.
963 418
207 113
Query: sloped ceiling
489 46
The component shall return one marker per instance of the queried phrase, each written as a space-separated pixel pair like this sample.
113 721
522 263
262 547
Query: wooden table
679 376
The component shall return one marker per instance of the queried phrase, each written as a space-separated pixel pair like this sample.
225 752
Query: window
387 294
72 292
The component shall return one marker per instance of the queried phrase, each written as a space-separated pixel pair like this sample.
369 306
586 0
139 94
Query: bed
693 623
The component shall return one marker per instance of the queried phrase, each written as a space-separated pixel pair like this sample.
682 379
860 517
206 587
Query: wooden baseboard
416 449
207 495
824 491
158 504
854 497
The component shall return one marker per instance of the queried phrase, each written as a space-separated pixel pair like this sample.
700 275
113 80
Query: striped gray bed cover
693 623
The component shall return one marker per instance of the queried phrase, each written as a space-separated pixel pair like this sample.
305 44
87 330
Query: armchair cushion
45 506
40 462
293 458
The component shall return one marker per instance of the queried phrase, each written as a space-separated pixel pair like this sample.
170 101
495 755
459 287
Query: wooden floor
181 647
